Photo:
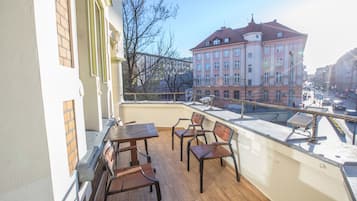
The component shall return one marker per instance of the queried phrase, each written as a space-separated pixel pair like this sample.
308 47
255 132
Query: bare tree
176 76
149 75
142 22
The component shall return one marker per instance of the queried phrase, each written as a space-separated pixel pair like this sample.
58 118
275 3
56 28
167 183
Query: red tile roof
269 32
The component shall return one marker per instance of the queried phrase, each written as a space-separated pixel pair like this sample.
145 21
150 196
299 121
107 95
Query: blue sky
331 25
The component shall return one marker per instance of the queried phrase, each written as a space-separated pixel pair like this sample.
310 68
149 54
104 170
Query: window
257 36
208 67
279 35
198 92
226 40
266 77
236 64
280 61
236 78
216 65
226 65
249 68
207 55
279 48
266 62
216 93
198 67
226 93
278 78
207 92
226 79
249 82
236 52
216 41
265 95
249 94
198 56
236 94
226 53
250 55
266 50
198 82
216 54
278 96
215 78
207 43
207 79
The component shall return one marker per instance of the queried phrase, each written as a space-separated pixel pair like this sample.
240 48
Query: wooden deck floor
179 185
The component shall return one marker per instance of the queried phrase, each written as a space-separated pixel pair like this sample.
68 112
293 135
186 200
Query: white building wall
58 85
25 167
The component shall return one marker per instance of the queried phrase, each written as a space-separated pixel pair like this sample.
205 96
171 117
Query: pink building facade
261 62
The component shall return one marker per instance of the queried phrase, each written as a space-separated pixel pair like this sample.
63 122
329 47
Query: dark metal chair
215 150
196 121
129 178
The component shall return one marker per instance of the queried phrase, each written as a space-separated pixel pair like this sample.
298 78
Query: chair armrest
129 171
133 170
221 143
204 131
180 119
148 177
129 122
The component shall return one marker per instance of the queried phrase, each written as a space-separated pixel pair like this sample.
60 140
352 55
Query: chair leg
181 146
221 161
172 138
201 176
188 156
197 140
150 188
205 138
146 146
158 191
236 168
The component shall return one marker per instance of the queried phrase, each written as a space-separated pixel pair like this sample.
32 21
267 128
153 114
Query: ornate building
261 62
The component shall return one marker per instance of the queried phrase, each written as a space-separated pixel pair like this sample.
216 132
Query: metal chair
129 178
215 150
196 121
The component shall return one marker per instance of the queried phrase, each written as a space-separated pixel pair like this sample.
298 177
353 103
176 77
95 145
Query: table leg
133 154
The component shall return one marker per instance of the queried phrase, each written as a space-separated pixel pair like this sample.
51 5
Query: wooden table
132 133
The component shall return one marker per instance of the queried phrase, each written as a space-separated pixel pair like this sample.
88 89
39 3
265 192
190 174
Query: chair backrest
223 131
197 118
109 156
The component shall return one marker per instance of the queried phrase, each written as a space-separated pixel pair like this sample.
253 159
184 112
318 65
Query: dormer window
226 40
207 43
279 35
216 41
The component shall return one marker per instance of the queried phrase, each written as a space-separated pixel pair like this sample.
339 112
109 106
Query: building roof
269 32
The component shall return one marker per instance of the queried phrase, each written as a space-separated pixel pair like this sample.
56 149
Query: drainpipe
245 71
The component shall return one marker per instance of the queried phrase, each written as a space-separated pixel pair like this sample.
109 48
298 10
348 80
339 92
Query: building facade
156 73
261 62
344 76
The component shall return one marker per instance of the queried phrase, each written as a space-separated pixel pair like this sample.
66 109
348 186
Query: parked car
351 113
338 105
326 101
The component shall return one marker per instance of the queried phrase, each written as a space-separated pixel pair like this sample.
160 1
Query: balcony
268 161
178 184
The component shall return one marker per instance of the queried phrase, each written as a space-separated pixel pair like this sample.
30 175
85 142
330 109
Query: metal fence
244 107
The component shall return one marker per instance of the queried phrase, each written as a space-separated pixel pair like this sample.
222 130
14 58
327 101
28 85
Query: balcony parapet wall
281 169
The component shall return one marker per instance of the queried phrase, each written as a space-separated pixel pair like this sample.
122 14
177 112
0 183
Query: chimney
274 20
